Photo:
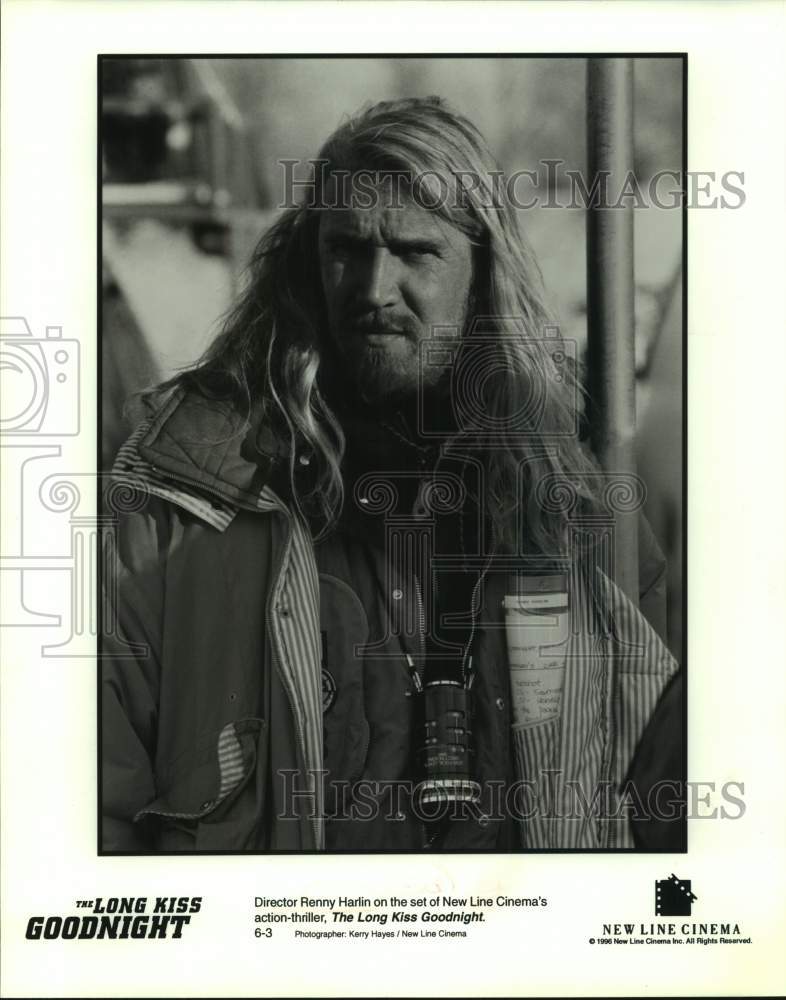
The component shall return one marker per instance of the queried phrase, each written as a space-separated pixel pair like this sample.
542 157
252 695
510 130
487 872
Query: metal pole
610 327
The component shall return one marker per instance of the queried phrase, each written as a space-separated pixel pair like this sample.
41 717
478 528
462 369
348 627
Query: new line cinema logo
674 897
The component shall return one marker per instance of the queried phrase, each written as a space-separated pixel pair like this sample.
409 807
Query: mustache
371 323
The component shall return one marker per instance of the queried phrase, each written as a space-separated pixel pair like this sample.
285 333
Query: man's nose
378 280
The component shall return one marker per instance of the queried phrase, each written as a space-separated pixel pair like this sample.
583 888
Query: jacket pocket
213 796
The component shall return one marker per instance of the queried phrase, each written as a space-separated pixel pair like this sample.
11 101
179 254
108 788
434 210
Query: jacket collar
205 444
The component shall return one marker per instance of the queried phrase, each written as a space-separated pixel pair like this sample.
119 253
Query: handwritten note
536 626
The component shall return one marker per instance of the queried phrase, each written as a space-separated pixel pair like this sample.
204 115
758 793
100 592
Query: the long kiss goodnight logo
118 917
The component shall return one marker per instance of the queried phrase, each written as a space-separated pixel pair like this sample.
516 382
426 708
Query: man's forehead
405 220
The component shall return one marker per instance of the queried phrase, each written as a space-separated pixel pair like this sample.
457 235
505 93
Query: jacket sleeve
135 550
652 580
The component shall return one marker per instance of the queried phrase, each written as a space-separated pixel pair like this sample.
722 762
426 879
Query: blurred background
191 179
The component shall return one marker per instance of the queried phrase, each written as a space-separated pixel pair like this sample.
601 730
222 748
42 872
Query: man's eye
419 253
342 247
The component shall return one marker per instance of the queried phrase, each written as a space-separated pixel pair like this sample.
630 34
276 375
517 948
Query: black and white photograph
392 410
391 566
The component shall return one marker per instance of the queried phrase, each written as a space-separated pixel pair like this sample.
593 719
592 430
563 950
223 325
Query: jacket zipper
421 626
474 607
466 660
418 680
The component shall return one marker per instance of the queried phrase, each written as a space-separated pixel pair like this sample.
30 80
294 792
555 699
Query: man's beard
387 384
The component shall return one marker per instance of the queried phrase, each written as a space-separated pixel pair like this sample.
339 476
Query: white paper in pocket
536 626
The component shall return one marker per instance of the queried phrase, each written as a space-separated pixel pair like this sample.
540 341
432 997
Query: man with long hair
345 519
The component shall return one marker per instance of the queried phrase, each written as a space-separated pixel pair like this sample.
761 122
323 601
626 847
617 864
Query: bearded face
389 276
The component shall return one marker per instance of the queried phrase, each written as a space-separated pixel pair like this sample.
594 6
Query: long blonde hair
270 350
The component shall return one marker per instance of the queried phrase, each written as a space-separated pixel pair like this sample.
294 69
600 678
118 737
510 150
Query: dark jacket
214 664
